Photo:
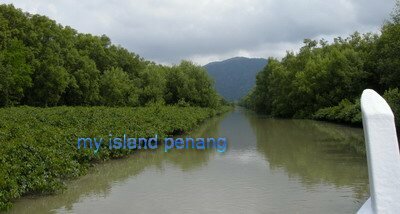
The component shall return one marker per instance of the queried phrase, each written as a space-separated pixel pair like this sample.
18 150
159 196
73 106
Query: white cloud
168 31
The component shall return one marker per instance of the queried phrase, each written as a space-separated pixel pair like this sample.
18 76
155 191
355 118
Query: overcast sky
167 31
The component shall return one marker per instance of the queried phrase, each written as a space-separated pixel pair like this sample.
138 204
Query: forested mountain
236 76
43 63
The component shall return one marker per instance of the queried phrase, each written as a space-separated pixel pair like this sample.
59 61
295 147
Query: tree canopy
43 63
325 80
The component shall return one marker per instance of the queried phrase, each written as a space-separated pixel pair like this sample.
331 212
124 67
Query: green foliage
84 84
396 13
38 150
45 64
154 85
190 83
385 60
345 112
319 76
14 72
392 96
350 113
117 89
320 80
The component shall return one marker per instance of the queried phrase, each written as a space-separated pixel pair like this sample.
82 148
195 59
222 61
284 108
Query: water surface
270 166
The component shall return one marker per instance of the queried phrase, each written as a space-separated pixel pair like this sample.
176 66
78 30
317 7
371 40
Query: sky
168 31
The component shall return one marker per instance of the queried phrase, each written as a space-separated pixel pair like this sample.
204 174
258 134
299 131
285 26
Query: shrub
38 149
345 111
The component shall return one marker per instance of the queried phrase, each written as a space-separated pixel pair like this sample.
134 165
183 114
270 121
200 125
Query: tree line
43 63
325 80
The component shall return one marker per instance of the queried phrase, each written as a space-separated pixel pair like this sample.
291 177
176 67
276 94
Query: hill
236 76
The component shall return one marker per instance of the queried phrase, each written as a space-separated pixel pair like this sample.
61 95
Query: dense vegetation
38 146
325 81
45 64
235 77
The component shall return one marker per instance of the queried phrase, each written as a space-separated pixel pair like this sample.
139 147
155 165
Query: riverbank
38 150
274 165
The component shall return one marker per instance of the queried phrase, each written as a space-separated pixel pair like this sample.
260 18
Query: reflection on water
271 166
315 152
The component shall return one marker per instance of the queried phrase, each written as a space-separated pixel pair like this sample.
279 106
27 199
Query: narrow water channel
270 166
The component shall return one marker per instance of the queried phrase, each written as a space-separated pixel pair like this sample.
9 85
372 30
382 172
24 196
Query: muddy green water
271 166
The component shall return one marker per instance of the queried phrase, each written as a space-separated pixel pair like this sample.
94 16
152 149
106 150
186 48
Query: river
270 166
